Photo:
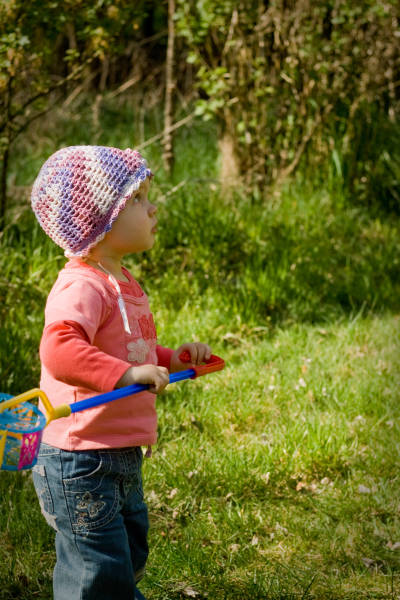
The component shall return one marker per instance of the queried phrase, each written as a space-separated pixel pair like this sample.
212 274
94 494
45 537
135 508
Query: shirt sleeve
66 352
164 356
78 301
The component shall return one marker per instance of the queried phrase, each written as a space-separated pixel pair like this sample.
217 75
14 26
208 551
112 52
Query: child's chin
144 247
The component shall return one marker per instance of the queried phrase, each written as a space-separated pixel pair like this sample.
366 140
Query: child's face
135 227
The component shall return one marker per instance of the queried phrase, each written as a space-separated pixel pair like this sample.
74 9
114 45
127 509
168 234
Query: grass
264 468
278 478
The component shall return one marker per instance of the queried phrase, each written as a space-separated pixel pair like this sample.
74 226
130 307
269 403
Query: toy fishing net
21 430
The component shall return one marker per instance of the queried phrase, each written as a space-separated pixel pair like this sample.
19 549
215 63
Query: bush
278 75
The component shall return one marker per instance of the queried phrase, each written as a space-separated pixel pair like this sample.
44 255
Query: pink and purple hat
80 191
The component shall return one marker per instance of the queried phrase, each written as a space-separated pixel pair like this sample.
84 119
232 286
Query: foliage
366 161
43 48
39 43
281 77
290 83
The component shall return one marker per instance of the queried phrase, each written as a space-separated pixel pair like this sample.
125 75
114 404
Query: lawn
277 478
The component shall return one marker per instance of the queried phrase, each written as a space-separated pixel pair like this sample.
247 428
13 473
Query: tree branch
160 135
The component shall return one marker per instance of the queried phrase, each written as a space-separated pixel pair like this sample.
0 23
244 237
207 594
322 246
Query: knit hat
80 191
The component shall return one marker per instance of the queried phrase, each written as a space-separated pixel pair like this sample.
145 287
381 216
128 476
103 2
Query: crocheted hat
80 191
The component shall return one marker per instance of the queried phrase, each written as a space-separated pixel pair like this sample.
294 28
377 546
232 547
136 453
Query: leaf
337 163
368 562
393 546
301 485
192 58
190 592
265 477
372 565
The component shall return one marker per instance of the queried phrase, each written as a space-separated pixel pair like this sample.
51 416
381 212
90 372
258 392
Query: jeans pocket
91 493
81 466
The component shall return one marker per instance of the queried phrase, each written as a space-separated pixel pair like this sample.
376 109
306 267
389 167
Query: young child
99 334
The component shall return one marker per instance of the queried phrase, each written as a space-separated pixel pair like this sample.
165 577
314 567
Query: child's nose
152 209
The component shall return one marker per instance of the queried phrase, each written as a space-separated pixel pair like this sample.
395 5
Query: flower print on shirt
138 351
144 329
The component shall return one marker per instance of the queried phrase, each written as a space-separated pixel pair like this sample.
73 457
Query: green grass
278 478
254 489
266 461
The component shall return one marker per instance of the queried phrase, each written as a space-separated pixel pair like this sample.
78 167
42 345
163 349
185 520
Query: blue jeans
94 501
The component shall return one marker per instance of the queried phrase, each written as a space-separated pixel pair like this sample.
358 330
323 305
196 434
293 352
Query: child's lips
154 229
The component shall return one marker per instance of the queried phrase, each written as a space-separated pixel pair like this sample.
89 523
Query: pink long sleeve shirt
85 350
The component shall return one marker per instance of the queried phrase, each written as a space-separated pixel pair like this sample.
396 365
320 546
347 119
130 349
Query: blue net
23 418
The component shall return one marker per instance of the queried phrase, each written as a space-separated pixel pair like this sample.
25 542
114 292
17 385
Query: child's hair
80 190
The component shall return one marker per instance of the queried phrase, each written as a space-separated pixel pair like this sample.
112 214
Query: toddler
99 334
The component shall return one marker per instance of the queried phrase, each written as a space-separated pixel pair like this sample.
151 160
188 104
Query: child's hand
156 377
198 354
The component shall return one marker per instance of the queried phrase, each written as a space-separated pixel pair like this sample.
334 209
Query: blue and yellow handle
64 410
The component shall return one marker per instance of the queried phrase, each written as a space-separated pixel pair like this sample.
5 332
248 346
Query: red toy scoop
214 363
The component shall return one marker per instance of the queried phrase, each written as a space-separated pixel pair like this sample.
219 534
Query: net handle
29 395
215 363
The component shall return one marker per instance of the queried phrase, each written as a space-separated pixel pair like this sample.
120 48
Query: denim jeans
94 501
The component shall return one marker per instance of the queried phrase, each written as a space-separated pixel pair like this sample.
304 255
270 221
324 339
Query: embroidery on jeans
130 484
89 504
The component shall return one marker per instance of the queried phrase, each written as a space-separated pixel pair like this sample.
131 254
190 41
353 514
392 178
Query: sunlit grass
277 478
274 477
